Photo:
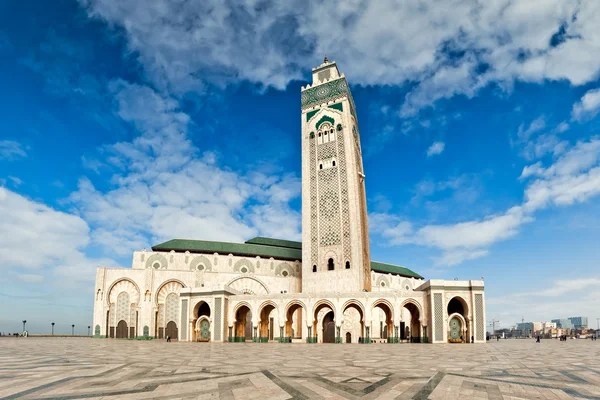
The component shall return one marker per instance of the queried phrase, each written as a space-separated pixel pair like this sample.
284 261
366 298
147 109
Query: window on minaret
347 264
330 265
314 268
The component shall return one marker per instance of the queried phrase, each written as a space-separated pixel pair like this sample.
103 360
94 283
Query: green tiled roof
275 242
393 269
241 249
265 247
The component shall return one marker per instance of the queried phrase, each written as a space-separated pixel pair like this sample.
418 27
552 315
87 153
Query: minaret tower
335 234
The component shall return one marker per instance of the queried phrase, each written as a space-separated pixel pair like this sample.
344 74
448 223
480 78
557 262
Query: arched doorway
328 328
171 331
201 328
323 321
122 330
352 321
410 328
382 312
295 320
266 323
348 337
243 324
458 305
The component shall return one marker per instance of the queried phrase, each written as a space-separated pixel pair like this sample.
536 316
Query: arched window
333 164
319 134
347 264
314 268
330 265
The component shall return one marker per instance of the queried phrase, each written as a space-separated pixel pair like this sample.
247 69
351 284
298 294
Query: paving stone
81 368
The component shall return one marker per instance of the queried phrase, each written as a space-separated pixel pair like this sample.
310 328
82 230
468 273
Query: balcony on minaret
325 72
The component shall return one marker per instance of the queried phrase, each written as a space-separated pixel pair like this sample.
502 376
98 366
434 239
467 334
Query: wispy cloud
573 177
435 149
11 150
588 107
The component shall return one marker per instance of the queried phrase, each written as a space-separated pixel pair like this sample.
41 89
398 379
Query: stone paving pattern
83 368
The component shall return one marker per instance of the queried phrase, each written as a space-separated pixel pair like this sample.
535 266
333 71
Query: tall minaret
335 234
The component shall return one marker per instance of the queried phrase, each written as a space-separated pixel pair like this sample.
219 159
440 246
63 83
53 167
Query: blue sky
124 124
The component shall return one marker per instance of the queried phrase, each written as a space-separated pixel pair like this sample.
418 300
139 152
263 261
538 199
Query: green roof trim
265 247
337 106
393 269
275 242
310 114
242 249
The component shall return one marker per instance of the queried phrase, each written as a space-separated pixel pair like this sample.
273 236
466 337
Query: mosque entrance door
205 330
171 330
455 328
122 330
328 328
348 337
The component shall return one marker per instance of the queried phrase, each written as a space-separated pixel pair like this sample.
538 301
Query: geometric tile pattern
82 368
438 316
217 318
479 316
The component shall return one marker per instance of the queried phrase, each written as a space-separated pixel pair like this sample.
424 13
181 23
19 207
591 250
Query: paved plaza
83 368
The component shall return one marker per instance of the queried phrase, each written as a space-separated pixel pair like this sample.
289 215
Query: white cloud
588 107
574 177
446 48
35 237
435 149
536 125
164 187
11 150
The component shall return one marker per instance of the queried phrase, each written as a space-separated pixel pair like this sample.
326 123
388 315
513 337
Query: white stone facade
324 291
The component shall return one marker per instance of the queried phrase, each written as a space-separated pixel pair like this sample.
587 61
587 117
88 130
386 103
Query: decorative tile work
329 208
123 307
325 118
201 263
184 319
157 258
330 91
341 148
314 244
242 264
479 317
161 316
217 319
171 308
438 316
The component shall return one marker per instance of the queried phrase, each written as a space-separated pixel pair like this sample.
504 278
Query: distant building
529 328
579 322
563 323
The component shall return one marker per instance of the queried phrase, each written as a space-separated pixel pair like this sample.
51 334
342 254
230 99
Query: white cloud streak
574 177
435 149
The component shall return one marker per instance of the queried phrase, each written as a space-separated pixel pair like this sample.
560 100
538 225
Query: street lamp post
73 330
53 329
24 322
88 330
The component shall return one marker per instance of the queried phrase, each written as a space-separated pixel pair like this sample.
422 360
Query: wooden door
122 330
171 330
328 328
348 337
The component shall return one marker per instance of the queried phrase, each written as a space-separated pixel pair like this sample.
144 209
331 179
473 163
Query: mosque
325 289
